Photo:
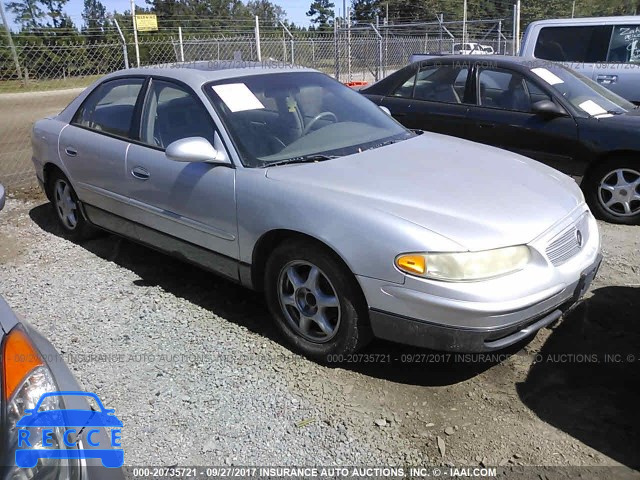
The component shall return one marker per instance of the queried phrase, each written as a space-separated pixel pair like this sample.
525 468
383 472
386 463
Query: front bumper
520 323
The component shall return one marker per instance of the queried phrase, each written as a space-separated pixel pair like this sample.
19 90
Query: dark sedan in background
535 108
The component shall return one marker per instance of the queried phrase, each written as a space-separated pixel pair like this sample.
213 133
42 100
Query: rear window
625 44
574 44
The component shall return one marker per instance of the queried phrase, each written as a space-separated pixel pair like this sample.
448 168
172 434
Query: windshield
583 93
280 117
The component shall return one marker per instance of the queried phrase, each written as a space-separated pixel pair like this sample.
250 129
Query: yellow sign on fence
146 23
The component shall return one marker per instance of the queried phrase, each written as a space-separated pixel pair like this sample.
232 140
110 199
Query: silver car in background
286 181
29 367
604 49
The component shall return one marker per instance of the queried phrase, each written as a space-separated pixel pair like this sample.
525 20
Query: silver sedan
286 181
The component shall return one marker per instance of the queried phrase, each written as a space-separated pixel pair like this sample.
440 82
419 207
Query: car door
93 146
433 99
191 203
399 102
621 73
502 117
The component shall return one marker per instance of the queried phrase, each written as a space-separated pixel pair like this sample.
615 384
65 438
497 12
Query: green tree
322 14
365 10
96 24
29 14
266 11
54 9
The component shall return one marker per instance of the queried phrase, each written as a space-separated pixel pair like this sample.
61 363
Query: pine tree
28 13
322 14
365 10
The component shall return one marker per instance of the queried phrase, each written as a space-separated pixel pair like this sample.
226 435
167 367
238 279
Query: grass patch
13 86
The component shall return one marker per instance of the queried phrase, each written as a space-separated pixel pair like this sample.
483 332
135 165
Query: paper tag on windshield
592 108
548 76
238 97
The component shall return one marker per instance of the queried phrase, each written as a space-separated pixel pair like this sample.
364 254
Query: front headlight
25 377
464 266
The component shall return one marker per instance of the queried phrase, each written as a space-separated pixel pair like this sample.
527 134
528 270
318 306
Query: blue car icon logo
38 428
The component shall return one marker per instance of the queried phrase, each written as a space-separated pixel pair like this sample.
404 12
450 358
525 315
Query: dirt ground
568 397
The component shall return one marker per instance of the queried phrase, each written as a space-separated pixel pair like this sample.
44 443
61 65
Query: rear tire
67 208
612 190
315 301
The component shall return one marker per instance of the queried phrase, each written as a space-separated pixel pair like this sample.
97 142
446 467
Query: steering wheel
316 118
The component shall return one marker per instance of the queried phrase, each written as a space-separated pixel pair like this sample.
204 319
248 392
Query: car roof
621 20
497 60
517 63
197 73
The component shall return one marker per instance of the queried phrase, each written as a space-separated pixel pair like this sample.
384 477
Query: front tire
612 190
67 208
315 300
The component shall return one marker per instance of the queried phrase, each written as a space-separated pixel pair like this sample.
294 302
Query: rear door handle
487 125
70 151
140 173
607 79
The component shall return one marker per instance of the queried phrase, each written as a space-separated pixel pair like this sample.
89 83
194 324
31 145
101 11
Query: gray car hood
477 196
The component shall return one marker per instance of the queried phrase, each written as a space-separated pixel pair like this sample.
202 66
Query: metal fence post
379 69
135 31
5 24
258 51
293 60
336 57
181 45
124 44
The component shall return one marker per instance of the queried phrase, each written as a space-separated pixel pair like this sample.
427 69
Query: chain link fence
40 76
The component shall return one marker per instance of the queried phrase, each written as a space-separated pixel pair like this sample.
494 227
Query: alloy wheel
619 192
66 207
309 301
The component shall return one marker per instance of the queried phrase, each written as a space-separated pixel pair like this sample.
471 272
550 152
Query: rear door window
441 83
574 44
625 44
110 107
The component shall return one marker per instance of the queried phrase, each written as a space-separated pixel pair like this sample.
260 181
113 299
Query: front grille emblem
579 237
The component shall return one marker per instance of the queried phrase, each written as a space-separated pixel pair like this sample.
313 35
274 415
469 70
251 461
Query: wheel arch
607 156
48 169
271 239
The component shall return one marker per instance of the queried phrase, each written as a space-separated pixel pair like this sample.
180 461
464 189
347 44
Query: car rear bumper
510 327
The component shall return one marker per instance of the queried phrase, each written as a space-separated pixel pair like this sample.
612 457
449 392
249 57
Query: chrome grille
565 246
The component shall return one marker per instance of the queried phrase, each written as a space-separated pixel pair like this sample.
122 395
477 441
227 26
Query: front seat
516 97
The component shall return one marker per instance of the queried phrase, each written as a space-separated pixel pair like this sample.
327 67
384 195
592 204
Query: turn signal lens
19 358
411 264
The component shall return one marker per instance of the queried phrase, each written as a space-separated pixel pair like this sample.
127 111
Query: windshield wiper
609 112
306 159
383 144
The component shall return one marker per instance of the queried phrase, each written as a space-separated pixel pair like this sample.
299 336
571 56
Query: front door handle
140 173
607 79
71 151
487 125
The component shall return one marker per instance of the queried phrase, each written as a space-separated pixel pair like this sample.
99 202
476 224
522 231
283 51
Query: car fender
366 239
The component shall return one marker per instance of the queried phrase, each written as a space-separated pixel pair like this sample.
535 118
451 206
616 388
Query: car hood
630 119
477 196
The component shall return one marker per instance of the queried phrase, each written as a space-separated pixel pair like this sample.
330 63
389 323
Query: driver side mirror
547 108
385 110
197 149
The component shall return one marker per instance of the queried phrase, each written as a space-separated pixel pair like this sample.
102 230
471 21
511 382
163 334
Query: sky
295 9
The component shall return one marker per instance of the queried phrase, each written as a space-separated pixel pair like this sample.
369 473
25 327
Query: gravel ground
194 368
